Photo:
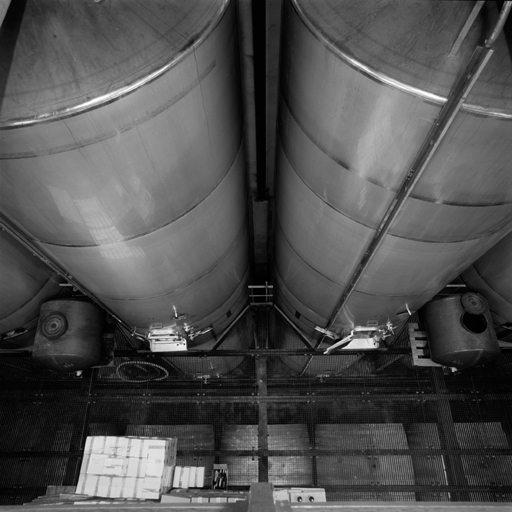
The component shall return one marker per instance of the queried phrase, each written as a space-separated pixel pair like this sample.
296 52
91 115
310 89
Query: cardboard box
184 477
127 467
307 495
300 495
200 477
202 496
192 476
173 498
200 499
176 477
188 477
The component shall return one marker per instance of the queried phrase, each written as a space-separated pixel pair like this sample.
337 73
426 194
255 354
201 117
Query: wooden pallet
419 342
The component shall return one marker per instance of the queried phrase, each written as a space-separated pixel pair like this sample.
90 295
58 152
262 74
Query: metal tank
460 331
121 154
25 283
362 86
69 335
491 275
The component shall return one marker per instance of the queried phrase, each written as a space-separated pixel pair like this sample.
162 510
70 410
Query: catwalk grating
381 430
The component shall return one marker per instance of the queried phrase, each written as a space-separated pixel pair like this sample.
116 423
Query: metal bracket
327 333
360 338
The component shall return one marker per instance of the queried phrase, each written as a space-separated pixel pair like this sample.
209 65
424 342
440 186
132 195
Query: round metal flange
54 326
474 303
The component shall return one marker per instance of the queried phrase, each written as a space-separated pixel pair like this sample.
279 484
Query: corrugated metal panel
363 436
481 435
365 470
370 496
282 470
490 468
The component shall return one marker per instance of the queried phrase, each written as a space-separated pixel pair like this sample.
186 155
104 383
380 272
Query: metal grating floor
368 427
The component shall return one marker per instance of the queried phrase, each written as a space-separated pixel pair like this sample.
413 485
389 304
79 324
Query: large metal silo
25 284
362 87
491 275
122 158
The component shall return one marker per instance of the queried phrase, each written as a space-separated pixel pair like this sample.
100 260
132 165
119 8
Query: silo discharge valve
173 338
166 339
360 337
